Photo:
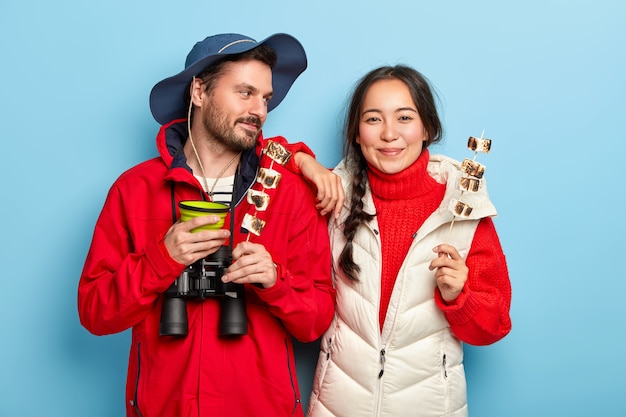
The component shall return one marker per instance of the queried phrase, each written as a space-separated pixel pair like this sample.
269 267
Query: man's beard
217 125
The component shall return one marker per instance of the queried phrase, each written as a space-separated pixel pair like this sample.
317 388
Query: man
181 364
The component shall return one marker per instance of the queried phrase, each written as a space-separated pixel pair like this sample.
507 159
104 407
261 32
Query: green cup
191 209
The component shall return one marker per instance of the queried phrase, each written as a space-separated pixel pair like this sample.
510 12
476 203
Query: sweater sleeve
480 315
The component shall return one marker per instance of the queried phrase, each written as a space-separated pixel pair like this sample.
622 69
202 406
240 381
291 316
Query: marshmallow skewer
471 180
268 178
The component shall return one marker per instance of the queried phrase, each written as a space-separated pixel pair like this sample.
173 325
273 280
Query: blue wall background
543 78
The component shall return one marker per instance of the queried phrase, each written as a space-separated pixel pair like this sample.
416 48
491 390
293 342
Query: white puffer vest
415 367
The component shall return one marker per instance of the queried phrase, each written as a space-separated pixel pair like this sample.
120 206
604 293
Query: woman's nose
389 133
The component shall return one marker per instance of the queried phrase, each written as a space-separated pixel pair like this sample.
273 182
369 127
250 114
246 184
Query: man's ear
196 88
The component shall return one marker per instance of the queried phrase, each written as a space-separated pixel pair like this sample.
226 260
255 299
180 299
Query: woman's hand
330 195
451 273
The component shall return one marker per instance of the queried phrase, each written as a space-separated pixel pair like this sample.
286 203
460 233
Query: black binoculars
199 281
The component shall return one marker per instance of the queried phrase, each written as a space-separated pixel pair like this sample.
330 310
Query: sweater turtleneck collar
410 183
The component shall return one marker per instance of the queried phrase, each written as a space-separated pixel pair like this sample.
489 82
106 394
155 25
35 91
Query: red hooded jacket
128 268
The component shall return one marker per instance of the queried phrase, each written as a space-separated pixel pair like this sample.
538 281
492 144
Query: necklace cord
195 151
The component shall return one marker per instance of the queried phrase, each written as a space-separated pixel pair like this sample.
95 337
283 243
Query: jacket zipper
134 402
330 345
446 387
293 386
382 363
379 395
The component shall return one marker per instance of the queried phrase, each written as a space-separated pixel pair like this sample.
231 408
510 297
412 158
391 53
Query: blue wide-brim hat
167 99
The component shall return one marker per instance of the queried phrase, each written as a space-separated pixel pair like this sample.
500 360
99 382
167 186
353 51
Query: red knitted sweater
403 201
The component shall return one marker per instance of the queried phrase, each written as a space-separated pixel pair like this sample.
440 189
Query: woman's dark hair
356 164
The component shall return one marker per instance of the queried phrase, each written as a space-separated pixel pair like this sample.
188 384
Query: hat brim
167 96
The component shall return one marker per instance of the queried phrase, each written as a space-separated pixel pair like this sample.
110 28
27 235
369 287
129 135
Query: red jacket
128 268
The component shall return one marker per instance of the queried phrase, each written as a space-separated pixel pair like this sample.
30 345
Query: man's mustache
250 120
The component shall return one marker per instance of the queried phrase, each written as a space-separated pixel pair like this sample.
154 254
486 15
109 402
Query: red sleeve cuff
275 292
164 267
459 311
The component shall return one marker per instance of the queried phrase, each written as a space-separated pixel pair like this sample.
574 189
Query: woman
410 289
